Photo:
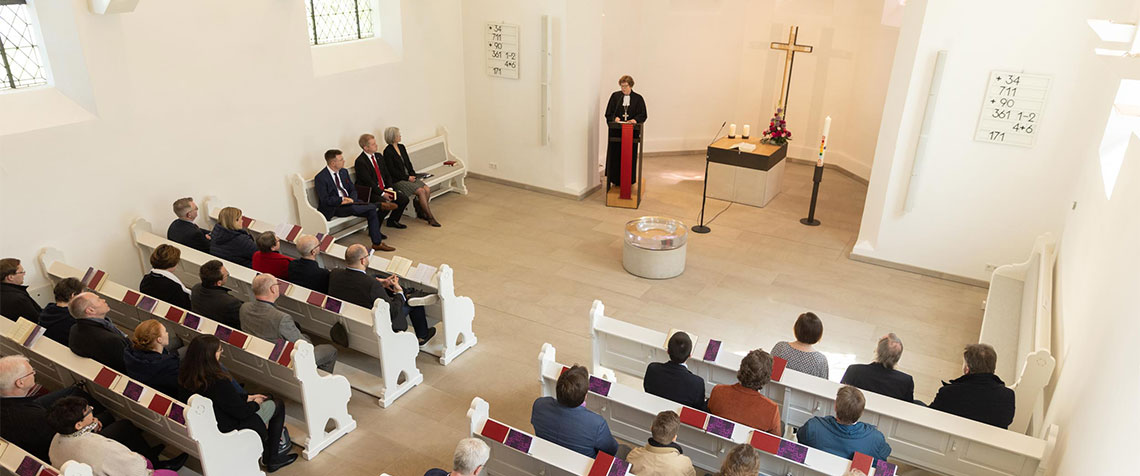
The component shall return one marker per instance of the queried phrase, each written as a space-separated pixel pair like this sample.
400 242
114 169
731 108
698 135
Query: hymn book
26 332
399 265
423 273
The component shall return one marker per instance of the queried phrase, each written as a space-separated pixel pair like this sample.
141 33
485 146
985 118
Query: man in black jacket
212 299
93 335
881 376
183 230
672 380
15 302
305 271
23 418
979 394
371 173
353 284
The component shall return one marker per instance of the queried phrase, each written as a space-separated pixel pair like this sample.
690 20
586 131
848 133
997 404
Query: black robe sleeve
637 108
613 108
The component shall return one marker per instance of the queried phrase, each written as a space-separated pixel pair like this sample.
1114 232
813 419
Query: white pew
920 436
1018 323
454 313
630 413
191 428
17 461
369 330
428 156
543 457
322 398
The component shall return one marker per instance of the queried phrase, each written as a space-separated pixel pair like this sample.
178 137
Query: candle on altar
823 141
732 130
747 129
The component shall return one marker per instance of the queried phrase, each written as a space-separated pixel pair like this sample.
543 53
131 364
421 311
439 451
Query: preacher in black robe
614 113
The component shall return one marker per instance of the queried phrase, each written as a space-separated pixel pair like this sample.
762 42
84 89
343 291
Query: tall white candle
747 129
823 141
732 130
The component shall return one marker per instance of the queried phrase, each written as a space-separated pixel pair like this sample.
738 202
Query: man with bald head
93 335
262 319
355 285
305 271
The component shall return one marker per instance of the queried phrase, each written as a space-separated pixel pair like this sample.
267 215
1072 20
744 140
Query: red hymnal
326 241
131 298
778 365
862 462
602 463
175 314
237 339
293 233
450 163
693 417
316 298
106 377
286 354
495 430
159 404
245 221
765 442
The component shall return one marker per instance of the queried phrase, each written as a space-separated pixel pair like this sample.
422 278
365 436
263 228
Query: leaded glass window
19 53
334 21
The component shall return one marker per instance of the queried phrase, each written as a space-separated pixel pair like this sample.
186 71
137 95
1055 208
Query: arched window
334 21
23 66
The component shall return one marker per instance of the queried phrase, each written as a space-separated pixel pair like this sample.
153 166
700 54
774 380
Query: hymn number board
1011 111
502 50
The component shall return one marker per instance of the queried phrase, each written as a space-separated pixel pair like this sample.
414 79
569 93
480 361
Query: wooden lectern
627 194
748 177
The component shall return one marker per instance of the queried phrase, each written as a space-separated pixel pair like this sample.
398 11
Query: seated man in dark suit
183 230
161 283
979 394
371 173
566 422
212 299
305 271
336 196
93 335
15 302
672 380
355 285
881 376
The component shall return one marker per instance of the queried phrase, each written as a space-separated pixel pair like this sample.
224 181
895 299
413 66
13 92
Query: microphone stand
702 229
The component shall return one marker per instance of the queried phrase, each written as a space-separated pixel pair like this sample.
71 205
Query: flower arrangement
777 132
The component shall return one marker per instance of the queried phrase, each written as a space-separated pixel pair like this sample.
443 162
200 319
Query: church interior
943 218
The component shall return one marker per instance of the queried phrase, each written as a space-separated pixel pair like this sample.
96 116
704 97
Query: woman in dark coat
399 165
234 409
148 361
230 241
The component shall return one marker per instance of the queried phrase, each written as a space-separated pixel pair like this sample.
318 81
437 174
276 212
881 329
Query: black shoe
397 225
383 236
286 461
173 464
430 334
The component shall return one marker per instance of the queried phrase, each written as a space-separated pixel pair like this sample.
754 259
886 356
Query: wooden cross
790 49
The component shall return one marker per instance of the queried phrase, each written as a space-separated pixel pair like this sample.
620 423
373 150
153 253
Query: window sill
38 108
353 55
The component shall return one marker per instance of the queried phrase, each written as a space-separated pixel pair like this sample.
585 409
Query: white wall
204 98
503 114
700 63
980 203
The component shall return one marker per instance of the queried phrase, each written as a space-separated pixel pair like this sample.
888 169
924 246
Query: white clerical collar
171 277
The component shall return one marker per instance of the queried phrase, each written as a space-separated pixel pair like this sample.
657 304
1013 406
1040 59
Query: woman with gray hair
880 376
471 455
408 184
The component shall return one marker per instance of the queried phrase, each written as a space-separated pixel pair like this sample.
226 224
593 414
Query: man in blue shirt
567 423
843 434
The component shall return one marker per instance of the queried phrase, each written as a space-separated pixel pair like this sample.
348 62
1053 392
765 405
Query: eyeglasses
88 411
29 374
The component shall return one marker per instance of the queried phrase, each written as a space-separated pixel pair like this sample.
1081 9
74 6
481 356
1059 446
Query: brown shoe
387 206
383 247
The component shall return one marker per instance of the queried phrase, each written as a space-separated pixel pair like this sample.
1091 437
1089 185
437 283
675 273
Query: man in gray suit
262 319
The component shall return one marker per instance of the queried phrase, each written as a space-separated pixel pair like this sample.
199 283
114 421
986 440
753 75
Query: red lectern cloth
626 161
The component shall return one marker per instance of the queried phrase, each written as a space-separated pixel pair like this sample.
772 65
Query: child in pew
77 439
843 434
268 258
741 460
471 455
662 456
234 409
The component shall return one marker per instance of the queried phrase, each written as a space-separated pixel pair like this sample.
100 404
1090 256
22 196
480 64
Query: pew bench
369 330
427 156
453 313
191 427
1018 323
630 413
540 456
15 460
926 438
323 399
